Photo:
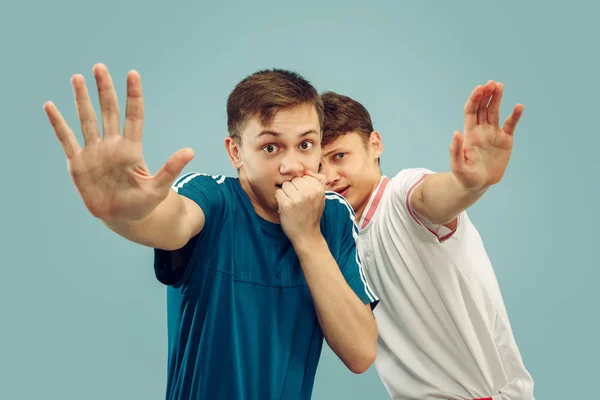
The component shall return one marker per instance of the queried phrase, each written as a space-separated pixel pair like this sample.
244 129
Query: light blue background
82 316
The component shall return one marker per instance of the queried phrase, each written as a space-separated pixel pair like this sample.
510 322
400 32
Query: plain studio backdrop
82 315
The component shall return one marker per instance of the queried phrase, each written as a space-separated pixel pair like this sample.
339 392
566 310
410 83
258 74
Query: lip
342 191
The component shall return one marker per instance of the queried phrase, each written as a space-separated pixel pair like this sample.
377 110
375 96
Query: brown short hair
264 93
343 115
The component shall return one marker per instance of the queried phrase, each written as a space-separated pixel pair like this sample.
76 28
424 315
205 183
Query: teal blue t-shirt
241 320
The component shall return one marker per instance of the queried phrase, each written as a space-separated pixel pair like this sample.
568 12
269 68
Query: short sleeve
348 259
170 267
403 186
406 181
205 190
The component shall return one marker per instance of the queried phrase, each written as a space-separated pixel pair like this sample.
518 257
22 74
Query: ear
375 144
233 151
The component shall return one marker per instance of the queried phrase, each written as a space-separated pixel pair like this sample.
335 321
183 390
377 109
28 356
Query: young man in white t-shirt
444 332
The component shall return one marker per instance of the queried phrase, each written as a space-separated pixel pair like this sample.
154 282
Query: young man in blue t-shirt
259 267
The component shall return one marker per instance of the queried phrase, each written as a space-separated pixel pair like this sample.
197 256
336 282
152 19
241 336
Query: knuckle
110 108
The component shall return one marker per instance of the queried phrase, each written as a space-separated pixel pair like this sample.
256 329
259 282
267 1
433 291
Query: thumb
456 152
512 120
173 167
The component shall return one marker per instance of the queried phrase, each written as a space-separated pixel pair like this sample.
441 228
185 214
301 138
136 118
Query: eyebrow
277 134
336 150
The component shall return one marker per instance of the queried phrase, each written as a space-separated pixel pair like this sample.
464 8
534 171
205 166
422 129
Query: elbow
169 245
358 355
176 242
363 356
362 362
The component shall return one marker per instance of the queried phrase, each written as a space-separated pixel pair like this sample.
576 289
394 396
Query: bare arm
110 173
441 198
348 325
478 161
168 227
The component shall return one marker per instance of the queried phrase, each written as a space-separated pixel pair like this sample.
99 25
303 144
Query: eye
307 145
270 148
320 167
339 156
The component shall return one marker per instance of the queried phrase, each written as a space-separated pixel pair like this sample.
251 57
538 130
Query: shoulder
192 179
338 215
213 193
197 183
337 205
410 175
406 180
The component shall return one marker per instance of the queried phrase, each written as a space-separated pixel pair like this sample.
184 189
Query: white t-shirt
443 328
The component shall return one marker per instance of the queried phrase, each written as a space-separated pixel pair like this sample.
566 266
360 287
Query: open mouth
343 191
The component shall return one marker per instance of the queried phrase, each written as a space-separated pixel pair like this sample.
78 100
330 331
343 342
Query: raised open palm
109 171
479 159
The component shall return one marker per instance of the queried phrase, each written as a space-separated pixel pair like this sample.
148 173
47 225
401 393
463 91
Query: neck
358 212
261 210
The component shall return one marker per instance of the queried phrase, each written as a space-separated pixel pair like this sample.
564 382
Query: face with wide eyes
271 154
350 164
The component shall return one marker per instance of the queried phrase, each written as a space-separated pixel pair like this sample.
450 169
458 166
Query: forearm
347 324
163 228
440 198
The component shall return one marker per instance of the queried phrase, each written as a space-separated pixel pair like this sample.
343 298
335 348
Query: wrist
129 222
308 244
470 190
173 203
121 224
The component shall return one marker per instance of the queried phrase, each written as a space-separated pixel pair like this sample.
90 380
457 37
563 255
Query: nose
291 165
331 175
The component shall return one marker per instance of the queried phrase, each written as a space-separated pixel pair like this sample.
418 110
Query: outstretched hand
109 172
479 158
